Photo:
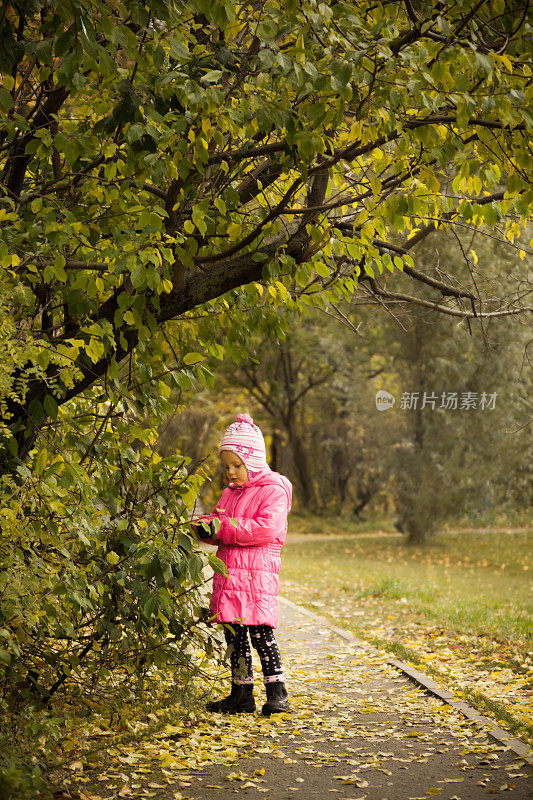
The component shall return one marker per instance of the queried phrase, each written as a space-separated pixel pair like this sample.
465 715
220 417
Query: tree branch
248 152
255 182
436 306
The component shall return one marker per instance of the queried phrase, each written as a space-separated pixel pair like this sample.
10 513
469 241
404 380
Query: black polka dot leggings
262 637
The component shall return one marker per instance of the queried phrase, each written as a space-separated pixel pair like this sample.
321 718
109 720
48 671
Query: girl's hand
205 530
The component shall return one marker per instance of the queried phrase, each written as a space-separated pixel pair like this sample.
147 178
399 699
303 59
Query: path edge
504 737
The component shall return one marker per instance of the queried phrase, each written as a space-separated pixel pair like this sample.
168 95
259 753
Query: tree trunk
363 497
303 471
274 451
418 535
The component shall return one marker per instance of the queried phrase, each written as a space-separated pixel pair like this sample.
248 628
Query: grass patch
459 608
494 709
480 581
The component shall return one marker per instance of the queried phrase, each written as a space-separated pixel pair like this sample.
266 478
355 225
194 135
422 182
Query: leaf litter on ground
171 762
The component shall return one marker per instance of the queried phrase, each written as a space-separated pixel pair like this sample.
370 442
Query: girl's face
234 468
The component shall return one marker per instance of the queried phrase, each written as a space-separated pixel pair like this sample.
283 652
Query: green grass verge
480 582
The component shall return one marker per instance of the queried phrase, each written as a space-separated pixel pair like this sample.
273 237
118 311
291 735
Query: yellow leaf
507 61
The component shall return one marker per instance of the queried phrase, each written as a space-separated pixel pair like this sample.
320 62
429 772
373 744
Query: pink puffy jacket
251 549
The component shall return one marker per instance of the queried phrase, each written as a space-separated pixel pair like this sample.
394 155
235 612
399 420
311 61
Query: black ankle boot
240 699
277 699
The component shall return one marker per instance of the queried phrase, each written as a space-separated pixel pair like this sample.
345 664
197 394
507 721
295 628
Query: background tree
429 458
279 379
309 390
463 455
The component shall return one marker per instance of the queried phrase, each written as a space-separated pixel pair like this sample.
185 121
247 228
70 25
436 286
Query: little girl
252 513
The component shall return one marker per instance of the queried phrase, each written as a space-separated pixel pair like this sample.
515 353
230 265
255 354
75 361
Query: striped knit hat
246 440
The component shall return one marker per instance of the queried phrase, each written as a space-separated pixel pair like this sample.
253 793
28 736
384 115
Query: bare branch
437 306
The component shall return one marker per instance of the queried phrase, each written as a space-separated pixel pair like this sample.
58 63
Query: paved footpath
360 730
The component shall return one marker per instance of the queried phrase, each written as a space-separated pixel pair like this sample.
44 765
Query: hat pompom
244 418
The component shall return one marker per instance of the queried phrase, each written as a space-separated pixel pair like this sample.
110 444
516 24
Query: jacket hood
269 478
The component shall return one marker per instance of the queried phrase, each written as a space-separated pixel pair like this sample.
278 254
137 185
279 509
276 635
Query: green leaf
196 567
95 349
217 565
134 133
342 72
6 101
193 358
490 215
212 76
41 461
36 411
485 62
321 269
150 607
50 406
138 275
